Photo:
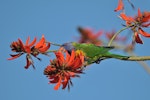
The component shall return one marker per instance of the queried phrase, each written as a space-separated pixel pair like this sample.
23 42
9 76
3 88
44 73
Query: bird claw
98 60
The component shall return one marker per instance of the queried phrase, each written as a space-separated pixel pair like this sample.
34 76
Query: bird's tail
116 56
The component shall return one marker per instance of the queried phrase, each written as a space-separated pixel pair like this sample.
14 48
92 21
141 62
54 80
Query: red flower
29 49
87 36
120 6
62 69
142 20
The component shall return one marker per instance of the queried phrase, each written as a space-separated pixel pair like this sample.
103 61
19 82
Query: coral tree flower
87 36
29 49
142 20
120 6
62 69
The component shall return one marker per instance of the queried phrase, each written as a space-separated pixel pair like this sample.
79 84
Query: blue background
58 21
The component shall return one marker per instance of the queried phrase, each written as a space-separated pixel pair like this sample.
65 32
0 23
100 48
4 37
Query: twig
136 58
55 44
115 35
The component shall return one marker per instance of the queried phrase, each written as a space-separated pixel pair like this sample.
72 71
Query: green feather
94 54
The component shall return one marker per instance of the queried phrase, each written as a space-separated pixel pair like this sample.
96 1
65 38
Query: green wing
92 50
93 53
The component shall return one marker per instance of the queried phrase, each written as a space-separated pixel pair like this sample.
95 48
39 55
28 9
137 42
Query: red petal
70 62
77 63
139 13
60 58
28 62
44 49
32 43
143 33
27 41
146 17
14 56
58 84
145 25
27 49
54 79
120 6
65 82
21 44
71 74
67 57
41 42
126 18
137 38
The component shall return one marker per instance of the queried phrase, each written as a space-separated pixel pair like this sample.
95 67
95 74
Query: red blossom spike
62 69
87 36
136 23
29 49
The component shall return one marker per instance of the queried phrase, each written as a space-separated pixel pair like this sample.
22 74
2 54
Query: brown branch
138 58
135 58
128 58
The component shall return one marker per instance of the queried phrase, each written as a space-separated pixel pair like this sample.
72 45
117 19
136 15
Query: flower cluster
136 23
29 49
62 69
87 36
142 20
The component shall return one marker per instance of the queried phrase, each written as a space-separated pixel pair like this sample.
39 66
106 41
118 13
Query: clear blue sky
58 20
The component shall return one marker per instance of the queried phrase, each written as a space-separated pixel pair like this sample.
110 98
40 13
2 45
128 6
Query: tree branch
135 58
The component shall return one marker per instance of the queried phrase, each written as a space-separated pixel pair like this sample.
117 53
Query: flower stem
117 33
55 44
51 51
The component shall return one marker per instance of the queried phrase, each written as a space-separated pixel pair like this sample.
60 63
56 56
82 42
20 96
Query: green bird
93 53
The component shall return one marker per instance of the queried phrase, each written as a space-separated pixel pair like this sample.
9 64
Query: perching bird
92 53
